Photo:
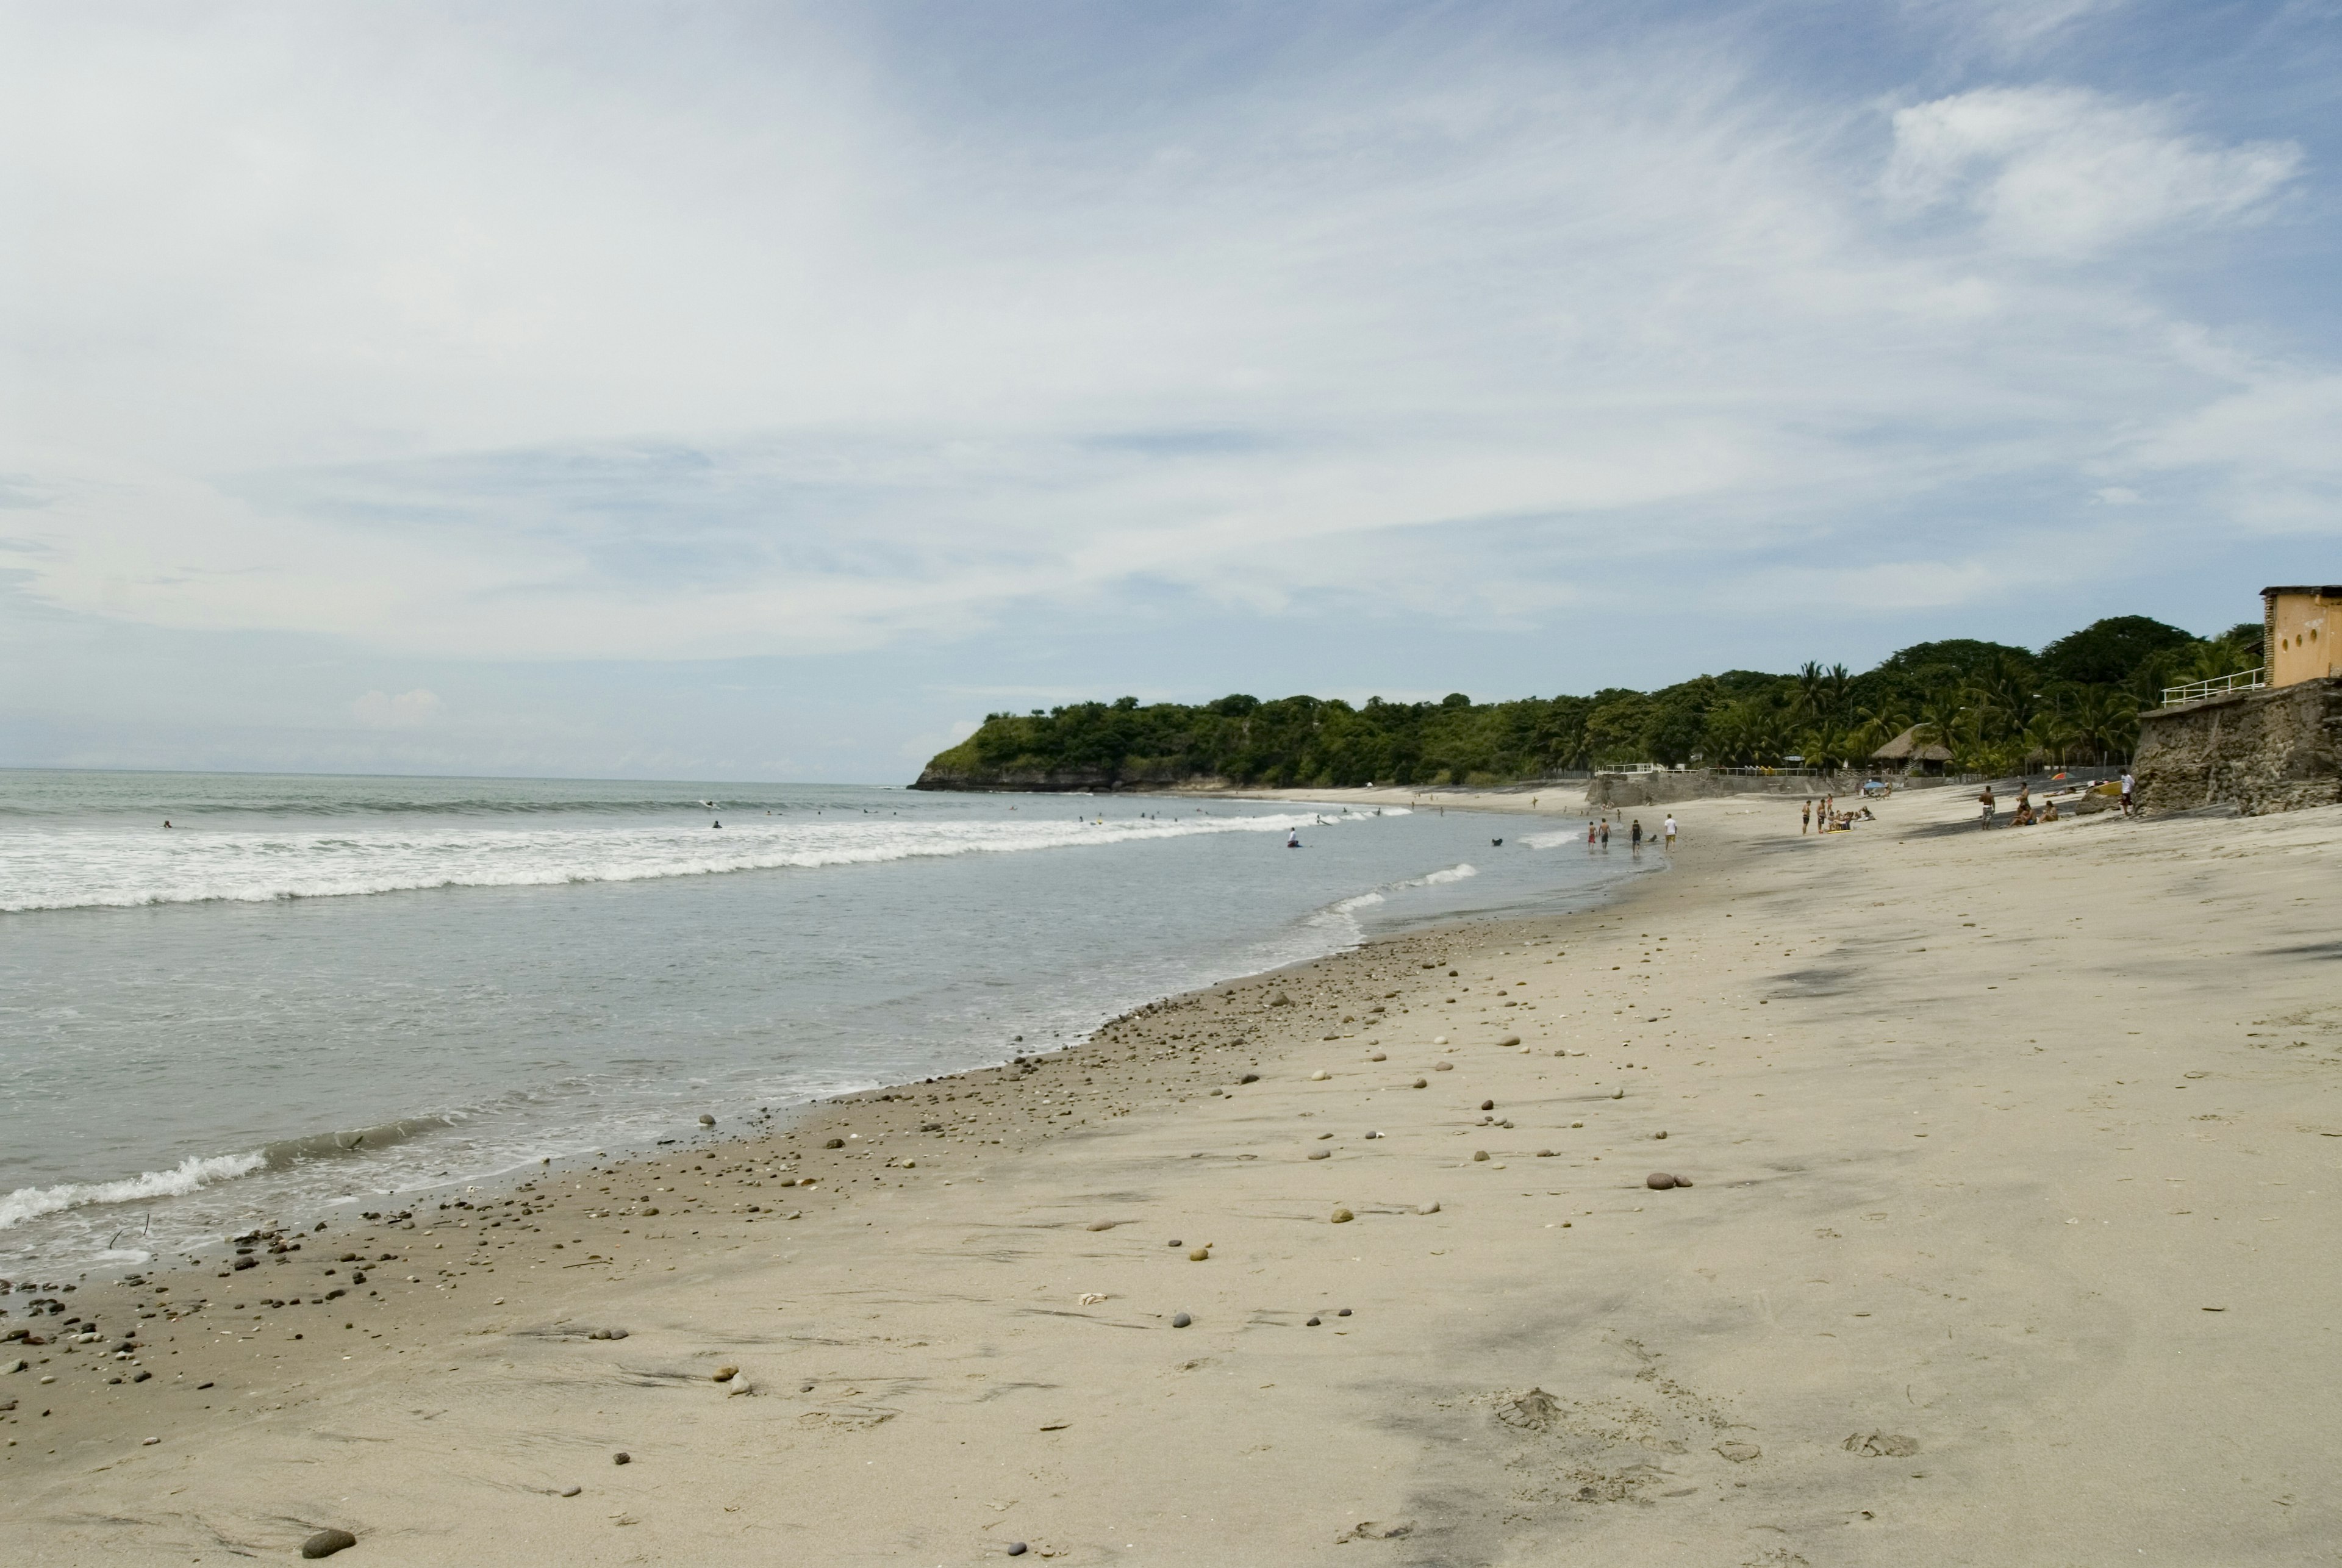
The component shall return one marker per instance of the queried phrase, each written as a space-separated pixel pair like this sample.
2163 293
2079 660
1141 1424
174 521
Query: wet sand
2011 1238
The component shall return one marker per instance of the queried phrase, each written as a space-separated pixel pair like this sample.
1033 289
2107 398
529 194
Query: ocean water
309 992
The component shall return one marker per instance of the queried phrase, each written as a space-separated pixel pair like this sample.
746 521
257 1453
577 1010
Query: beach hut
1906 754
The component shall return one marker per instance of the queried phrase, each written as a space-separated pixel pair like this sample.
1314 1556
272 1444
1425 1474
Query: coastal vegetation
1991 706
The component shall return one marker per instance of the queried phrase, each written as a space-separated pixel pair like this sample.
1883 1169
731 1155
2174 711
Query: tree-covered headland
1991 704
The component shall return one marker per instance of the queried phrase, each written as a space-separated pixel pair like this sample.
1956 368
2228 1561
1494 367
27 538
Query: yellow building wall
2303 632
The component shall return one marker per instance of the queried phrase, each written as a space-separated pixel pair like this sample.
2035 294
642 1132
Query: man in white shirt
1670 831
2127 808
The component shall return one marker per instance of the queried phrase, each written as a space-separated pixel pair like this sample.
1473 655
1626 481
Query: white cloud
2064 172
407 711
696 338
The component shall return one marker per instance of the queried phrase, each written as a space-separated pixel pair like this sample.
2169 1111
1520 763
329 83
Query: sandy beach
2007 1234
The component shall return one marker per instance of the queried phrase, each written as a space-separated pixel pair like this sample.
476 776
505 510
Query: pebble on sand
1344 1312
1200 1255
1321 1153
1442 1067
1479 1155
1377 1056
1343 1216
622 1457
834 1144
1659 1182
1018 1548
1658 1134
1180 1320
1487 1105
705 1120
1510 1040
1104 1225
1249 1078
571 1491
1739 1452
725 1373
1311 1324
1422 1084
326 1542
1429 1208
1319 1076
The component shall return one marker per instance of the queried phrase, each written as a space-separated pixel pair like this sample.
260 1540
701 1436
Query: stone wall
2274 750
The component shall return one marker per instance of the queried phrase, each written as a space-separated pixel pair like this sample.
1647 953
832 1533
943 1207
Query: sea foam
192 1174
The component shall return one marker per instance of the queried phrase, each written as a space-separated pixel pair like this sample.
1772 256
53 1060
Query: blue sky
770 391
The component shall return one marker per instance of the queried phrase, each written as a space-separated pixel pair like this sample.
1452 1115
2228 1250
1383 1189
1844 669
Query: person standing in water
1805 817
1605 832
1634 841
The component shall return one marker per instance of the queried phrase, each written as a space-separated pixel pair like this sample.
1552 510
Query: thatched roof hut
1906 752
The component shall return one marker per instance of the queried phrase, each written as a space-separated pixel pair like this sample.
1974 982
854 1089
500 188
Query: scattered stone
1422 1084
1321 1153
1659 1181
1104 1225
1343 1216
1545 1153
1311 1324
1440 1039
1018 1548
1487 1105
1479 1155
1177 1243
1249 1078
1429 1208
1280 1000
622 1457
1444 1067
725 1373
1509 1040
1881 1446
1374 1135
705 1120
1200 1255
1739 1452
1617 1094
571 1491
1180 1320
1659 1136
1089 1298
1377 1056
834 1144
1319 1076
326 1542
1344 1312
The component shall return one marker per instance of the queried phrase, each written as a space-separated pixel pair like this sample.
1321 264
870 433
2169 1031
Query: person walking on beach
1636 843
2128 807
1805 816
1669 829
1985 801
1605 832
1589 833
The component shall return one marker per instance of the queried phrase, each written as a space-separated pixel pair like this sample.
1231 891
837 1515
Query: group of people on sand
2027 812
1823 816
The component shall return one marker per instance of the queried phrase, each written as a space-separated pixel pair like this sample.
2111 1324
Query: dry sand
2011 1240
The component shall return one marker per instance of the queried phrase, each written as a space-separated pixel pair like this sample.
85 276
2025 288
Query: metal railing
2204 691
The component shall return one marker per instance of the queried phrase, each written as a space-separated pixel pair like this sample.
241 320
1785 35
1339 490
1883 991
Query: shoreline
1469 1408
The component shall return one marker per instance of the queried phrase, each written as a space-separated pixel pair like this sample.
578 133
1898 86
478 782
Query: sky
770 391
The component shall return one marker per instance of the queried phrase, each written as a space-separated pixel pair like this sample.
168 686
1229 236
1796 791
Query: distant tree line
1991 704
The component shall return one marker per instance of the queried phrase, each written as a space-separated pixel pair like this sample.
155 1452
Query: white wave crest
1452 874
196 1171
123 870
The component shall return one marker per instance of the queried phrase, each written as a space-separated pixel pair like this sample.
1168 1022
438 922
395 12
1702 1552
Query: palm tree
1810 683
2105 721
